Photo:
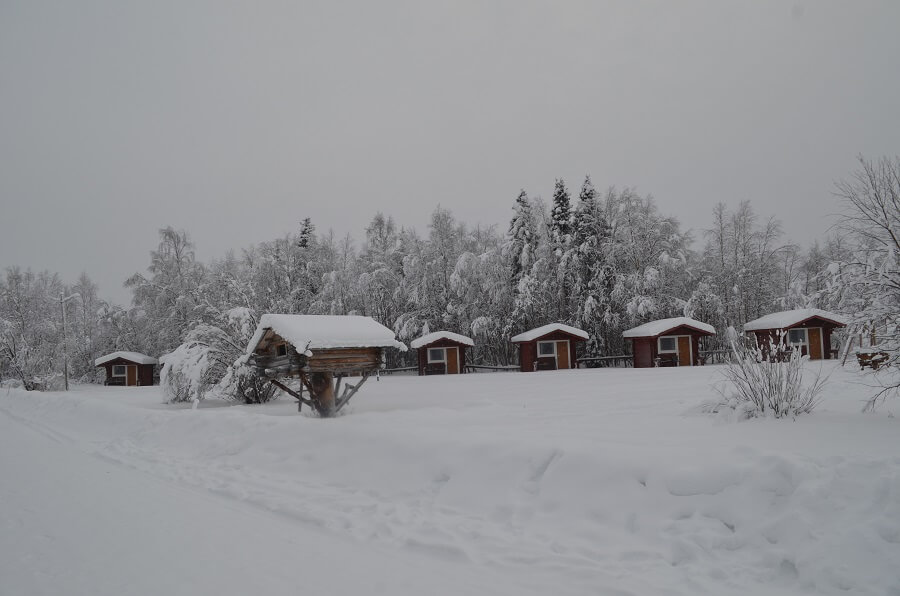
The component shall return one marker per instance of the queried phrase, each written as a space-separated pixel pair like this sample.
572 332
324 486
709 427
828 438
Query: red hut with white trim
668 342
549 347
808 329
130 369
442 353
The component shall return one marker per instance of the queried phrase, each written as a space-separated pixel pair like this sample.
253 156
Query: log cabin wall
345 360
273 352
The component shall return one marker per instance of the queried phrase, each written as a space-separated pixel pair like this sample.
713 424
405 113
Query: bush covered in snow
756 386
212 361
185 374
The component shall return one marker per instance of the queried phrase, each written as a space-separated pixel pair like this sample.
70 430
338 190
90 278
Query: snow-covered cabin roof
543 330
663 326
430 338
790 318
326 331
135 357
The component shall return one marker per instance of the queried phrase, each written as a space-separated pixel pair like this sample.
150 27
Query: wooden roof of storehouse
311 332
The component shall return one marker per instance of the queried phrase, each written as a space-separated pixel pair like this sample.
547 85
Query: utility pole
62 308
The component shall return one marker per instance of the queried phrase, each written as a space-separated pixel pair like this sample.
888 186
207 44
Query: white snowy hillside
604 481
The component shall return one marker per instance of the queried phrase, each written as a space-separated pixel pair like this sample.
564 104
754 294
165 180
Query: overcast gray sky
235 120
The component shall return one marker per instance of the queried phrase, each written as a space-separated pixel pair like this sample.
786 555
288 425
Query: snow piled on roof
787 318
439 335
326 331
654 328
131 356
545 329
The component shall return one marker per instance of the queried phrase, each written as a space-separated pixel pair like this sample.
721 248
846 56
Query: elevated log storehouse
128 369
808 329
442 353
550 347
668 342
321 351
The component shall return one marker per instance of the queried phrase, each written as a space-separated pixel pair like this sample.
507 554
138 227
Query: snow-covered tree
560 218
169 295
867 283
30 327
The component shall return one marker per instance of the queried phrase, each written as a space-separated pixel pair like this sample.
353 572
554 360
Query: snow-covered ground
606 481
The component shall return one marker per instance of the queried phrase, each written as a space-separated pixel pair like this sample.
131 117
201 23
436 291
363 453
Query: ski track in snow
615 491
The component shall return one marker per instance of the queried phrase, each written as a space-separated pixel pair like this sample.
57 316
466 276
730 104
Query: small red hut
550 347
668 342
127 368
809 329
442 353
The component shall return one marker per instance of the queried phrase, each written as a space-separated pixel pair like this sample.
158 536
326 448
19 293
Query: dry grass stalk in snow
756 386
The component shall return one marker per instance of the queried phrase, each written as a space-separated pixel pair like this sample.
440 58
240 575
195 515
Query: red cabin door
815 343
562 355
685 357
452 361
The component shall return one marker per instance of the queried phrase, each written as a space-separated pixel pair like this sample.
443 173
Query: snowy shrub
756 386
241 383
185 374
211 362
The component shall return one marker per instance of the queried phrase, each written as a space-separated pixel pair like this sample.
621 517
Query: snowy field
573 482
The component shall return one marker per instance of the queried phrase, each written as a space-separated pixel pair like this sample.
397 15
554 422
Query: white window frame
659 349
551 342
124 370
805 342
433 361
555 354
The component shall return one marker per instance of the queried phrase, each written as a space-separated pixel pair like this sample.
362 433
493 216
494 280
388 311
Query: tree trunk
322 384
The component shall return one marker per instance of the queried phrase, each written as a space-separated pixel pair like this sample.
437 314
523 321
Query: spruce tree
560 217
522 237
307 229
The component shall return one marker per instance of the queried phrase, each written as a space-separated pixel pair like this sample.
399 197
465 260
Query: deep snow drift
570 482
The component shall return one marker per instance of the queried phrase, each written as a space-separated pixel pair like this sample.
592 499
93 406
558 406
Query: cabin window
436 355
118 370
797 337
281 350
668 344
546 348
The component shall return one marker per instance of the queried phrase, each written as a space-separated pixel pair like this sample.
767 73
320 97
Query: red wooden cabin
550 347
668 342
442 353
808 329
127 368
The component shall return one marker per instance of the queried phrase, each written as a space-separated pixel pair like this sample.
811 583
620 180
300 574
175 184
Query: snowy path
75 524
614 485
